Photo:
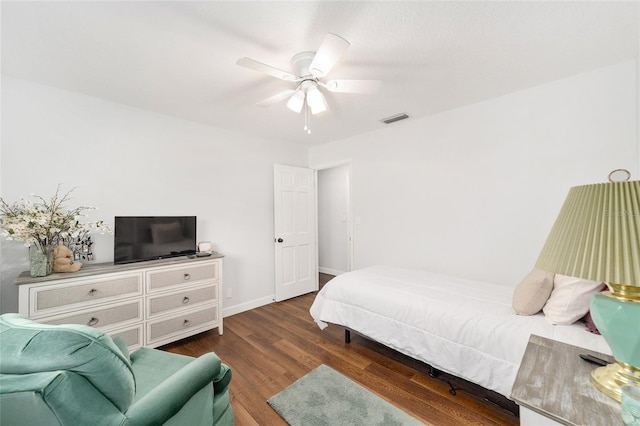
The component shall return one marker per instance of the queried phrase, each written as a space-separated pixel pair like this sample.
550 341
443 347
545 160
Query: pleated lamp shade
597 235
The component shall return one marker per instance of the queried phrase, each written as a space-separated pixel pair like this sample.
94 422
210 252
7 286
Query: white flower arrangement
43 223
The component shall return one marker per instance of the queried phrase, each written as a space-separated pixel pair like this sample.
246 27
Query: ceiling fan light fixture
296 101
315 100
308 69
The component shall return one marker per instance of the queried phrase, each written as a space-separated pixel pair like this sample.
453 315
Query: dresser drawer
183 299
110 315
163 279
184 324
133 336
63 296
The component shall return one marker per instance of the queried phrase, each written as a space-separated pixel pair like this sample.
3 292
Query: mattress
463 327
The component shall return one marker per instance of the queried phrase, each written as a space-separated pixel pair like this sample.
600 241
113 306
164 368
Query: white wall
333 213
471 192
127 161
474 191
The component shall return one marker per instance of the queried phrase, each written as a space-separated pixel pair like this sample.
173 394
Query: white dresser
147 304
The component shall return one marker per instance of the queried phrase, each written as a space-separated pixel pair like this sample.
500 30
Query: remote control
593 359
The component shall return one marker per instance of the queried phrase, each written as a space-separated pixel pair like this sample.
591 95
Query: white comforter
466 328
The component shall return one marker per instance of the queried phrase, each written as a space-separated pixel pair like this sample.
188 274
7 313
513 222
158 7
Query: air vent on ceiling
394 118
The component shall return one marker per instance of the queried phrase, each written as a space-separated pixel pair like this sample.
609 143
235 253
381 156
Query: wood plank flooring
270 347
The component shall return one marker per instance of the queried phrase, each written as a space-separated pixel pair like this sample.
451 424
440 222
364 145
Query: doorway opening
335 231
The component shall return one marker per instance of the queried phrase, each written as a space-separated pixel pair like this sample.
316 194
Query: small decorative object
205 247
81 245
63 260
42 224
40 261
631 405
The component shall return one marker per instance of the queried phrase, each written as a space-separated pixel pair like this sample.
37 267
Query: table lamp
597 237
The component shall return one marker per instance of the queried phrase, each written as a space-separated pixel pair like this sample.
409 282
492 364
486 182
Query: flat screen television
140 238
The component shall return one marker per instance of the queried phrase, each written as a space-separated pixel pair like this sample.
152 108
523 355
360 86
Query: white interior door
296 259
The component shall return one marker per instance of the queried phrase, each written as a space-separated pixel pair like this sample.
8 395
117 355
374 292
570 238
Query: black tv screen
139 238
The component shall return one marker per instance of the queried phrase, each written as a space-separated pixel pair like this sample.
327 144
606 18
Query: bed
463 327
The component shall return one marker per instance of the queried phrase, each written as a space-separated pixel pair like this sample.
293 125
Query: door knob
279 240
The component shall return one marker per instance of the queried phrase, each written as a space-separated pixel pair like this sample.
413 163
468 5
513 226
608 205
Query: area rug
326 397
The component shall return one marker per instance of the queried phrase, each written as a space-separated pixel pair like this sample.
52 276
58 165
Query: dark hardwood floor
270 347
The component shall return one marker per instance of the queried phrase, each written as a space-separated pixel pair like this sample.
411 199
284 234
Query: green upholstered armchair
77 375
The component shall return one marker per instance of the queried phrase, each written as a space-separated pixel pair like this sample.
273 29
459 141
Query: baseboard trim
256 303
329 271
247 306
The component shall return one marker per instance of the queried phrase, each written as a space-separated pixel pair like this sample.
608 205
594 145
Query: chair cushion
29 347
152 367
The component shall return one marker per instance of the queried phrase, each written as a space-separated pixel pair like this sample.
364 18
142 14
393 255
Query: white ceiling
178 58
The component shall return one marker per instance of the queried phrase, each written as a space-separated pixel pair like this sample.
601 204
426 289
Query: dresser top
90 269
555 382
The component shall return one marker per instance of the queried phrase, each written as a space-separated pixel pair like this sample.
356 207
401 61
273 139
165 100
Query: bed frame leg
347 335
433 373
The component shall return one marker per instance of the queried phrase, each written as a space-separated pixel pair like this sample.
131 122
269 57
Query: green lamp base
618 320
610 378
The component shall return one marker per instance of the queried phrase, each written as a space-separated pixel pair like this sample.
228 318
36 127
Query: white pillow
569 300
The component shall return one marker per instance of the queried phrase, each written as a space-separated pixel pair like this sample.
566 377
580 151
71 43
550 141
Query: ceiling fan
309 68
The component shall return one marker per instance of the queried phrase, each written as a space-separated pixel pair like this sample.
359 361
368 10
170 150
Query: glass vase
41 261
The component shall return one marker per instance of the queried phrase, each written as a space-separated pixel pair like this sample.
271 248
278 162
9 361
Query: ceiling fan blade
267 69
276 98
330 51
367 87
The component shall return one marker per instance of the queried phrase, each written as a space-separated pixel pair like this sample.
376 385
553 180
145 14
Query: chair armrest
165 400
222 380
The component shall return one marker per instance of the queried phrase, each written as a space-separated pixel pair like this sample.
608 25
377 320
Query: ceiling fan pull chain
307 119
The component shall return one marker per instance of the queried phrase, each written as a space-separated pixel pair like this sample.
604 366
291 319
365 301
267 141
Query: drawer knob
185 300
187 276
92 292
186 323
93 321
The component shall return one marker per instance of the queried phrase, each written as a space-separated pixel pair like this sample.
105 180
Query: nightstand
553 387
